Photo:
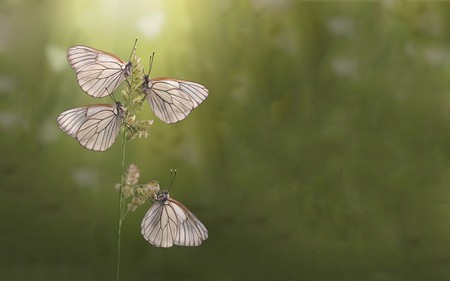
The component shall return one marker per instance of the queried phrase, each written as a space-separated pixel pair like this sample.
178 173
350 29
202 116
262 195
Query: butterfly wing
98 73
95 127
191 231
172 99
160 225
71 120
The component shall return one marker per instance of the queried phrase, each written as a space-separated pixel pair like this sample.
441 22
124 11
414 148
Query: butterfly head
147 83
162 196
120 109
126 68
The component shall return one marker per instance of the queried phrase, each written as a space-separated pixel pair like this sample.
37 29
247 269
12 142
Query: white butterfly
168 223
98 73
172 99
95 126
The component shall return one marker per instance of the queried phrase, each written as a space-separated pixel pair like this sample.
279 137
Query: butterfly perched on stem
168 223
95 126
172 99
99 73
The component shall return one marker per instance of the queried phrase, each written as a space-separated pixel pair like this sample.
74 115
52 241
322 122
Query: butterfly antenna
150 63
173 174
112 96
133 50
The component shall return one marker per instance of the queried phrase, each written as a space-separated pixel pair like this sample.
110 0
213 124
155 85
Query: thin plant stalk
119 231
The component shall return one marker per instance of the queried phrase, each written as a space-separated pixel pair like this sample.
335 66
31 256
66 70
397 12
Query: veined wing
160 225
98 73
191 231
172 99
95 127
168 223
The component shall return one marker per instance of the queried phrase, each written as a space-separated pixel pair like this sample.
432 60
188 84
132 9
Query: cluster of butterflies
99 74
95 127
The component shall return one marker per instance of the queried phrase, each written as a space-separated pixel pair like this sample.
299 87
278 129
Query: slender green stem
120 208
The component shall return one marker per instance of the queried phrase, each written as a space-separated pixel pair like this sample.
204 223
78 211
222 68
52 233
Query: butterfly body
168 222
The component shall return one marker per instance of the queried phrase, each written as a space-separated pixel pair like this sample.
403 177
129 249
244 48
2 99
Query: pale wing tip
76 47
73 49
167 121
163 244
94 94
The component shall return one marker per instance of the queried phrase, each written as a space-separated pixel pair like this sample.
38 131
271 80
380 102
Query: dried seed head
132 175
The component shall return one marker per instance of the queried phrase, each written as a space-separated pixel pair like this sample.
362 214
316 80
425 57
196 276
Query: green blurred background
322 152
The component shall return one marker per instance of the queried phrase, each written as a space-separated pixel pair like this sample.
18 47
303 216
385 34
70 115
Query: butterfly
98 73
95 126
172 99
168 223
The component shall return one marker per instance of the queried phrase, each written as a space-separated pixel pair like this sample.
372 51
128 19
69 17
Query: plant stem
120 208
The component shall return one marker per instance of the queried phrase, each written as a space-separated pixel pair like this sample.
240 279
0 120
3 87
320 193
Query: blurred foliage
322 152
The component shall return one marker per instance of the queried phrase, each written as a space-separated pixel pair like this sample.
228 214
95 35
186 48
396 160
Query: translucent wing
95 127
160 225
168 223
98 73
172 99
191 232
